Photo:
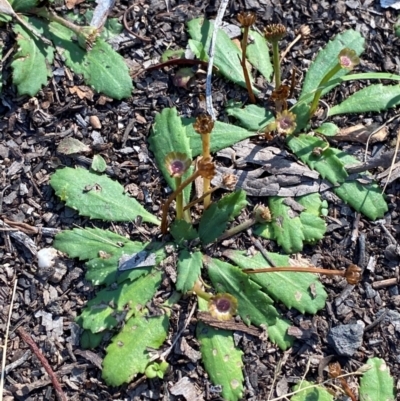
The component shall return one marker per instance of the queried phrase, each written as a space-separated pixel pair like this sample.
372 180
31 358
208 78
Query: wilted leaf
70 146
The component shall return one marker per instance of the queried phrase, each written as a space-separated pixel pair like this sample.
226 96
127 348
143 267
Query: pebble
95 122
346 339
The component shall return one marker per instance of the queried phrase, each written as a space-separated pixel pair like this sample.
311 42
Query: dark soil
46 305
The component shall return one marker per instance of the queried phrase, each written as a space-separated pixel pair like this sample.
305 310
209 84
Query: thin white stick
4 359
211 52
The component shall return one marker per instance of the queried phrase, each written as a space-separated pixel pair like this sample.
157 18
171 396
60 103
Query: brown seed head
206 167
335 369
246 18
304 31
223 306
229 181
274 32
262 214
348 59
353 274
177 163
285 123
203 124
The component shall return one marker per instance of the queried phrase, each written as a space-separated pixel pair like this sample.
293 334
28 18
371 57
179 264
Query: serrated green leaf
97 196
189 268
315 393
98 164
278 334
30 62
227 54
222 360
252 117
313 225
327 164
181 230
91 340
103 249
217 216
327 129
23 6
327 59
376 384
111 306
222 136
372 98
128 353
302 291
254 306
257 53
102 67
169 135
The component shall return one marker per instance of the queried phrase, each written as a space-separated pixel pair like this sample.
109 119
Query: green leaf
30 62
217 216
128 353
278 334
91 340
327 129
227 54
97 196
222 136
181 230
257 53
102 67
372 98
111 306
98 164
172 54
328 164
221 358
302 291
103 249
169 135
23 6
254 306
327 58
376 383
252 117
189 269
315 393
156 369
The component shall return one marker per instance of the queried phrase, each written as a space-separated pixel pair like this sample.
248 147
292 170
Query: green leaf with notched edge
103 249
302 291
251 117
169 135
372 98
30 62
278 334
327 129
128 354
222 136
376 384
189 268
97 196
111 306
182 231
103 68
221 358
314 393
327 59
327 164
313 226
254 306
227 54
257 52
215 219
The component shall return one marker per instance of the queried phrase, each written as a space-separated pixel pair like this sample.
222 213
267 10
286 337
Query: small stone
95 122
346 339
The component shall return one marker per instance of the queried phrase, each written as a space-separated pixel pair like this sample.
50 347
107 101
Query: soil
46 306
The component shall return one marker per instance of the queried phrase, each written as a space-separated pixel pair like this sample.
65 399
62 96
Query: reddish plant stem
243 62
296 269
35 349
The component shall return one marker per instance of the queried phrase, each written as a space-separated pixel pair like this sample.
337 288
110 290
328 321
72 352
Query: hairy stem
179 199
243 62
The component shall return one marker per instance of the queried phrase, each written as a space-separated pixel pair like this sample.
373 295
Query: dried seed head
223 306
203 124
285 123
304 31
206 167
335 369
262 214
246 18
177 163
353 274
274 32
229 181
348 59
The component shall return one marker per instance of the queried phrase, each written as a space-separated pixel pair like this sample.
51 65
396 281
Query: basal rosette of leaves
102 68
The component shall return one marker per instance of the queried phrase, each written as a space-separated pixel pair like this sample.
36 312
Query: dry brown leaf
83 92
70 4
361 133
